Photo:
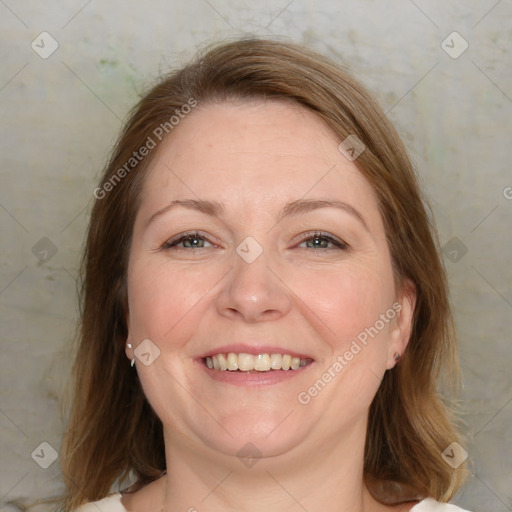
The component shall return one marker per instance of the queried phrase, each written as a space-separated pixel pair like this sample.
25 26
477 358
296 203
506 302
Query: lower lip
255 379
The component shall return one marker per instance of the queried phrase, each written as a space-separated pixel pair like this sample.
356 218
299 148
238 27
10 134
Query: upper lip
254 350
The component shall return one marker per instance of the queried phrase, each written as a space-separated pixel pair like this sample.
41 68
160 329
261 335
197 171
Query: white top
113 503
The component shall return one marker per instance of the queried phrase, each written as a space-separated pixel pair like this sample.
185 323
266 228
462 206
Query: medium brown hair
112 428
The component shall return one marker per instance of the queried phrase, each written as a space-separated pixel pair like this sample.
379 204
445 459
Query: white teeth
245 362
260 363
276 361
232 362
223 364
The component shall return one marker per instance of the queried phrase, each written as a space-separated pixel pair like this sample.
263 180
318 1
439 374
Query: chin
255 435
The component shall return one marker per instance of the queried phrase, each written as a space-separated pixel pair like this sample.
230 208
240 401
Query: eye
190 240
321 241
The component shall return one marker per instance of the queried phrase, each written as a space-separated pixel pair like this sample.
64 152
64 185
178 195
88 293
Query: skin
312 296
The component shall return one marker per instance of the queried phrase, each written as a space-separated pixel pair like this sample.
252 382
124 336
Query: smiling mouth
243 362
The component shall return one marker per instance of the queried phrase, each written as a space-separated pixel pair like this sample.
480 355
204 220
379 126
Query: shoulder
111 503
431 505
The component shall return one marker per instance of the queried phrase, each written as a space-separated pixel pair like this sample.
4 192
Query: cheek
162 299
346 308
345 302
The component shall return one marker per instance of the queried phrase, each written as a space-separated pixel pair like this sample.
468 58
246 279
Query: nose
253 292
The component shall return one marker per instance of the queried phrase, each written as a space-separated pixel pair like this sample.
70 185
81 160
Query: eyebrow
298 207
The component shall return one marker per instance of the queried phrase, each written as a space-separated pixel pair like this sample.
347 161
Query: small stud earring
397 357
129 345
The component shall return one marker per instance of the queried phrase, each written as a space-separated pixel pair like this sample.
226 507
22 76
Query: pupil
318 242
194 242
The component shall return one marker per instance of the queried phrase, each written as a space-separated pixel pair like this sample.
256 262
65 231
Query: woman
265 313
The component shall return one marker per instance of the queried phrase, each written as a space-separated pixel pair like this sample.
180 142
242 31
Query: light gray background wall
59 117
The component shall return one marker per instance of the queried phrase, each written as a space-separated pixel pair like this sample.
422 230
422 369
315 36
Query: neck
328 479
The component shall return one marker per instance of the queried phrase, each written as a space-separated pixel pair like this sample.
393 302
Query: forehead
254 152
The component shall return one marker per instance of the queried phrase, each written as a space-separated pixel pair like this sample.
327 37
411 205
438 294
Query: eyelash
338 244
191 235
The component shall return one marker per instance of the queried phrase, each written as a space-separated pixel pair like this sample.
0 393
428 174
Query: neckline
118 496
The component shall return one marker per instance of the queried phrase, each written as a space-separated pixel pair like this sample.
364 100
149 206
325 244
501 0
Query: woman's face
256 235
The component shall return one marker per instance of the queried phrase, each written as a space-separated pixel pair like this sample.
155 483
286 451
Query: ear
128 346
121 290
128 349
401 332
